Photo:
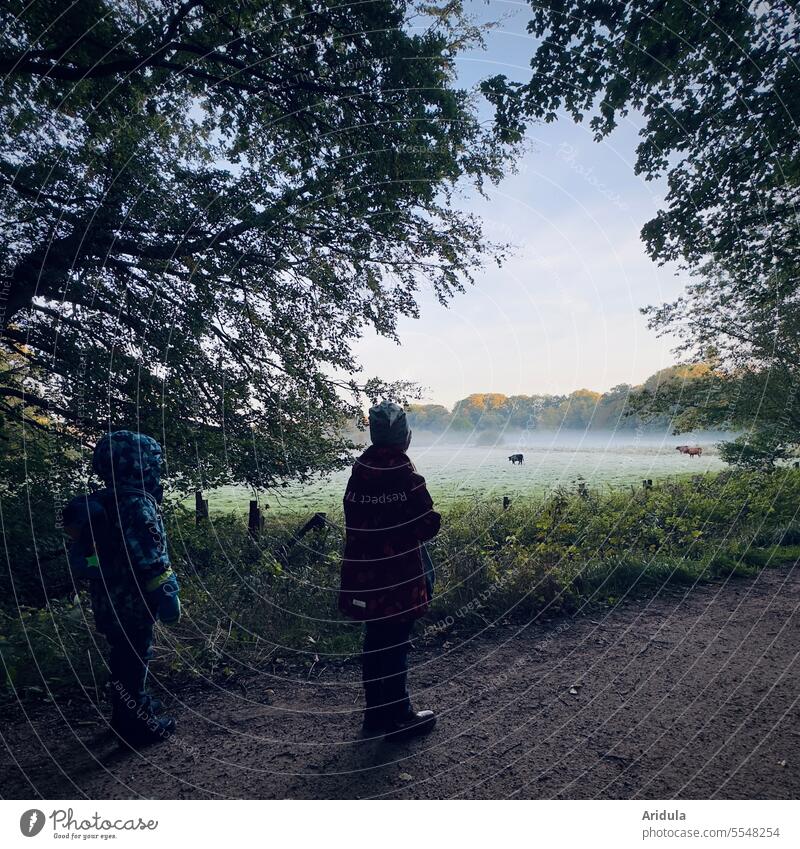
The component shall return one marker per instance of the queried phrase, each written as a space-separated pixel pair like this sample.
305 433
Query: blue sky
563 311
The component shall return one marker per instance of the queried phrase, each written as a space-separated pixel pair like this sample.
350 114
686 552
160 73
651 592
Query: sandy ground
691 694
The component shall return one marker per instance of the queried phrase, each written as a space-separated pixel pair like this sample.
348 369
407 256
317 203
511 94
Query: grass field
454 471
257 603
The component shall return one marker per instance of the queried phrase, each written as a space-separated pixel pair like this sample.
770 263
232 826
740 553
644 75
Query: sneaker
139 725
147 732
153 704
374 724
415 724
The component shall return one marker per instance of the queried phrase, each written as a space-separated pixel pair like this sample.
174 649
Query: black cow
517 458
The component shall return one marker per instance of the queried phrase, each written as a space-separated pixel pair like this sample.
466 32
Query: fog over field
466 465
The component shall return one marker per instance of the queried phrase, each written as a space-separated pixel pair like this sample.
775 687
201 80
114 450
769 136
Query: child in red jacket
388 516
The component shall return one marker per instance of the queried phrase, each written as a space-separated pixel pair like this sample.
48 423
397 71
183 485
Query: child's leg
131 651
385 667
133 711
394 669
371 675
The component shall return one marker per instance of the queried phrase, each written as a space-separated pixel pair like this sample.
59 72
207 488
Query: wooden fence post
200 507
254 520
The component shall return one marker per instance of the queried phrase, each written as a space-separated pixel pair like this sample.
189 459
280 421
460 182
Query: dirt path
690 694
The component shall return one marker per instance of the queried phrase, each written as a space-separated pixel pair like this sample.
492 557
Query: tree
612 411
38 475
524 410
761 403
205 203
432 417
717 86
481 411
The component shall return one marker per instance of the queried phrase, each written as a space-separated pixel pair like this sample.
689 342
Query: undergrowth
265 606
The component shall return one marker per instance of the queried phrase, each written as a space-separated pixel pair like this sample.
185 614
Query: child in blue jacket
133 583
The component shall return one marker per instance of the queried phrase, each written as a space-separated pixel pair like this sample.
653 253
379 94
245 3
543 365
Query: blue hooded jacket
130 465
142 584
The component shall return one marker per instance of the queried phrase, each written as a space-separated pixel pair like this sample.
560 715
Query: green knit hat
388 425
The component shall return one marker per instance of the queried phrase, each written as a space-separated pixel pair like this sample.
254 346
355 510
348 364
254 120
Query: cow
692 451
516 458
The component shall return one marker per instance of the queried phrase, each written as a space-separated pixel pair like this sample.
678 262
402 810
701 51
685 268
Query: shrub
254 605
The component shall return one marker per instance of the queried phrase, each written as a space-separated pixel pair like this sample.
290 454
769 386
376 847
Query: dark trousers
385 668
131 651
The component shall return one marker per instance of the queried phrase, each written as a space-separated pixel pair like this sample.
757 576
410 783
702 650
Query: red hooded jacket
388 513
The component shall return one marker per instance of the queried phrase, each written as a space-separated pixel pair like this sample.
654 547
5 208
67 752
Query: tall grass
265 605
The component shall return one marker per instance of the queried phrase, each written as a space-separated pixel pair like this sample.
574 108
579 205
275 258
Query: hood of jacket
381 461
128 460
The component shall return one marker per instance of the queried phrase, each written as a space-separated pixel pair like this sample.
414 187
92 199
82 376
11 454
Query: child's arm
146 544
425 521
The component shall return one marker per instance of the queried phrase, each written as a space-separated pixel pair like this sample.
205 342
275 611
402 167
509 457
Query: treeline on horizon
622 407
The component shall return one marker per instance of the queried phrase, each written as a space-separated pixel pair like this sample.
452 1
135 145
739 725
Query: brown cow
692 451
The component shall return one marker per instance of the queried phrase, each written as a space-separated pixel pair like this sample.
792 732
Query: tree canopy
717 87
204 204
623 407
